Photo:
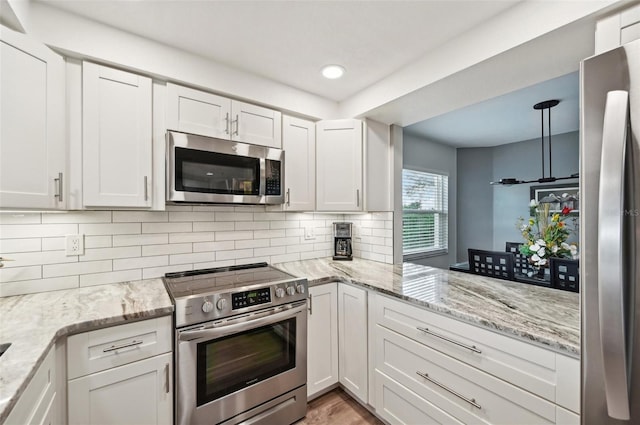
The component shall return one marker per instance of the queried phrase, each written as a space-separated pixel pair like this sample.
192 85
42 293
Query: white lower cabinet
428 368
322 342
122 374
39 403
352 340
137 393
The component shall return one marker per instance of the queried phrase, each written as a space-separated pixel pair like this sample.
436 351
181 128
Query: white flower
574 252
535 247
541 252
535 258
523 227
564 245
538 261
554 248
542 262
541 242
533 203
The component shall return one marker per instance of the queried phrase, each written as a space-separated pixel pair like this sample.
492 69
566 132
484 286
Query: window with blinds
425 207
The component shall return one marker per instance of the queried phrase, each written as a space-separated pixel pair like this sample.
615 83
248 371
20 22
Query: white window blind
425 207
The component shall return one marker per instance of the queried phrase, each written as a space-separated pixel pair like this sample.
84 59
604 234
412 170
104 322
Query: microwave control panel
250 298
272 178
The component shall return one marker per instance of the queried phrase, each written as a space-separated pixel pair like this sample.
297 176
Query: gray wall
427 155
475 199
496 224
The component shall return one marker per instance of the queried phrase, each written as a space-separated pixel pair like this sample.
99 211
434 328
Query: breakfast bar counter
539 315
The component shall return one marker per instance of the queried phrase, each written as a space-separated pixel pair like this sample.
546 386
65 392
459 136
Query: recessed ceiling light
333 71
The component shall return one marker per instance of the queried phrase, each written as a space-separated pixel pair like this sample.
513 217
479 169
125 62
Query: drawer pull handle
166 378
471 401
310 305
119 347
468 347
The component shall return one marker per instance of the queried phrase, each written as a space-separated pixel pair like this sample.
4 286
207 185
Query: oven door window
228 364
211 172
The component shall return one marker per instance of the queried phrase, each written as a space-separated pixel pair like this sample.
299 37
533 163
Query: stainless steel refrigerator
610 235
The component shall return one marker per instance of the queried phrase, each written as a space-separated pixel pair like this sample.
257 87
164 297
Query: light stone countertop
33 323
544 316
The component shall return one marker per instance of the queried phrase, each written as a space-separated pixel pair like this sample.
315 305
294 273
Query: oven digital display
250 298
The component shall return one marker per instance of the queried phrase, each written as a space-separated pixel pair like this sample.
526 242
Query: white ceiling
289 42
508 118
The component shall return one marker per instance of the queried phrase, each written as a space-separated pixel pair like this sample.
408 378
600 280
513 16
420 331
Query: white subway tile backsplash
146 239
98 242
110 277
9 274
233 236
94 254
215 246
175 248
140 262
210 226
167 227
234 216
108 229
20 245
78 217
38 285
83 267
140 216
191 216
21 231
234 254
132 245
20 218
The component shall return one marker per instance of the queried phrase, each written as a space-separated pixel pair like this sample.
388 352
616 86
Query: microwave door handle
249 323
263 177
611 255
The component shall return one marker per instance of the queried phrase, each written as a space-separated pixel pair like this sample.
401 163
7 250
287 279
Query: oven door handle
246 323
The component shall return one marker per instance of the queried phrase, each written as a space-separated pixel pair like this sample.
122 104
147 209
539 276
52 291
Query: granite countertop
33 323
544 316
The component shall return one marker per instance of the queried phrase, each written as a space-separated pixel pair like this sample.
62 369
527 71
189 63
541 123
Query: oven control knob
221 304
279 292
300 289
207 307
291 290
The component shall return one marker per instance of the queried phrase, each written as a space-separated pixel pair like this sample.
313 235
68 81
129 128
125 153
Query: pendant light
547 104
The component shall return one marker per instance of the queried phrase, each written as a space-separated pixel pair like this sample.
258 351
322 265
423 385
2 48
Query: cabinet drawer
37 404
466 393
525 365
398 405
102 349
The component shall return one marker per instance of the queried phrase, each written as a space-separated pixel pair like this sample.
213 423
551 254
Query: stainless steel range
241 345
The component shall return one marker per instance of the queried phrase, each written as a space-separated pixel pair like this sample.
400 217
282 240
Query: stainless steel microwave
208 170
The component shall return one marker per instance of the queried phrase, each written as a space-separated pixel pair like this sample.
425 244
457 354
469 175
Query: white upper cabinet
617 29
339 165
32 133
116 138
206 114
198 112
299 144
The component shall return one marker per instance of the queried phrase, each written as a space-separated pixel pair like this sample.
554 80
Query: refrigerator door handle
611 255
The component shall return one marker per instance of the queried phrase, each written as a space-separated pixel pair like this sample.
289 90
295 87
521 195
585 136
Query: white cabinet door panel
117 138
352 340
255 124
322 340
138 393
32 133
299 144
198 112
339 165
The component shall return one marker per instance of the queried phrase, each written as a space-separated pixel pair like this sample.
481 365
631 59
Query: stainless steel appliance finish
609 235
205 170
241 343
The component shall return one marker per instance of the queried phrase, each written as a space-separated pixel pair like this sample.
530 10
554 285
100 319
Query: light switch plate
74 245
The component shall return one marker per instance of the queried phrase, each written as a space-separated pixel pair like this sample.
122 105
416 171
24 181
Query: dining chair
520 262
565 274
491 263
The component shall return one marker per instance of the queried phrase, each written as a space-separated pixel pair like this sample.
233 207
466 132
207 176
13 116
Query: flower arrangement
546 235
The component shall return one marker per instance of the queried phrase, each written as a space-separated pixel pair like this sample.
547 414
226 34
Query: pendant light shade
547 104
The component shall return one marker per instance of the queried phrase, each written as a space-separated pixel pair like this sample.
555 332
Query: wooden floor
336 407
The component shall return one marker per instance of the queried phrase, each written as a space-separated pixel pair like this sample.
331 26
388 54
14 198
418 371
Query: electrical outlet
308 233
74 245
